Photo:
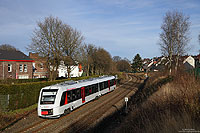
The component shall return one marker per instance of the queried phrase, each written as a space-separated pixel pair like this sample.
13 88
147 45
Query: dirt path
82 118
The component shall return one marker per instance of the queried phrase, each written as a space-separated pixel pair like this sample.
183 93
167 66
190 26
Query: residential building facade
76 71
15 65
40 69
189 62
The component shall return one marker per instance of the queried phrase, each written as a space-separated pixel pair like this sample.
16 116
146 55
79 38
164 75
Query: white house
189 62
76 71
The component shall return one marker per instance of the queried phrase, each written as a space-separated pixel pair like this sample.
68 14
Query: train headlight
51 112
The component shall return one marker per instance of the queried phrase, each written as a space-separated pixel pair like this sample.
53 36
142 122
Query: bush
26 94
23 95
17 81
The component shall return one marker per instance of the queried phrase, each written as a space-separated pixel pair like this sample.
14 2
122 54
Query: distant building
197 61
189 62
76 71
155 64
39 66
15 65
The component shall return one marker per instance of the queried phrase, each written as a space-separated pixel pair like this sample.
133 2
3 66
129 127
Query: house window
40 65
21 68
25 67
44 76
23 77
62 63
9 67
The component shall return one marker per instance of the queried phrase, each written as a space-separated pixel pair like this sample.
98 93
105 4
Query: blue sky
122 27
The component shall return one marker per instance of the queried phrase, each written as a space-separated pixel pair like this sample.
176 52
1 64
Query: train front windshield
48 96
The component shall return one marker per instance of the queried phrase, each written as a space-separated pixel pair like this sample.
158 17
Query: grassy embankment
171 108
11 117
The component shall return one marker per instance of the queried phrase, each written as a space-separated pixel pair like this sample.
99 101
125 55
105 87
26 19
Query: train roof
77 84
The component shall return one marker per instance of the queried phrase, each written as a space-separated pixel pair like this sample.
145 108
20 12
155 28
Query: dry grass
7 118
173 107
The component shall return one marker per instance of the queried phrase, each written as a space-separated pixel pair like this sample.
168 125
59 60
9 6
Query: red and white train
62 98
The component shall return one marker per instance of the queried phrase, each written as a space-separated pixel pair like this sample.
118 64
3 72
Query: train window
112 82
78 93
93 88
48 96
86 91
96 87
105 84
100 86
90 89
62 101
74 96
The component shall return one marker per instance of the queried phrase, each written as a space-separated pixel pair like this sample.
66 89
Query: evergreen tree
137 63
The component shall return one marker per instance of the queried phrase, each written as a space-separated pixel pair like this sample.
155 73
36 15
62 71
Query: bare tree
56 41
96 60
71 44
91 50
182 35
199 41
103 61
123 66
199 38
116 58
82 58
46 41
8 47
87 58
175 36
126 59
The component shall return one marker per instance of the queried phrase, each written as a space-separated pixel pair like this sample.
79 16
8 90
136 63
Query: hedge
17 81
25 94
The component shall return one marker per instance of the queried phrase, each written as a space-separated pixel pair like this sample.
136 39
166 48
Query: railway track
82 118
86 122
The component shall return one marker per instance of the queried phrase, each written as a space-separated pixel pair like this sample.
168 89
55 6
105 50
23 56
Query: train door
99 90
109 84
66 98
83 94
